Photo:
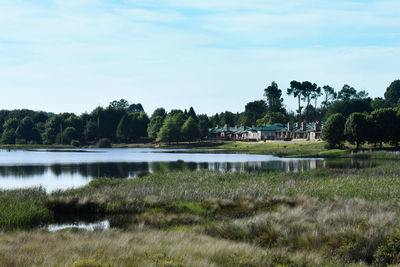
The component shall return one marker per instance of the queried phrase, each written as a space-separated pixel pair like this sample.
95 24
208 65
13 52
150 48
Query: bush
20 141
104 143
87 263
75 143
389 252
348 247
333 131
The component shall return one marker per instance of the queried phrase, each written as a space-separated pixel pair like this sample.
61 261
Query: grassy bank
207 218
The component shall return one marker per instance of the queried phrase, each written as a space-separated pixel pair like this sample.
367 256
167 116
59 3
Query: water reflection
66 169
132 170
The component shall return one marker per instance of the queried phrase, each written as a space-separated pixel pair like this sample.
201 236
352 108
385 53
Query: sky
214 55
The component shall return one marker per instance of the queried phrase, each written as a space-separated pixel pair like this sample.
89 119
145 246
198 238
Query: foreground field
322 217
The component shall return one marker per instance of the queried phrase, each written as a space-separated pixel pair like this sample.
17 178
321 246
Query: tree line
378 127
124 122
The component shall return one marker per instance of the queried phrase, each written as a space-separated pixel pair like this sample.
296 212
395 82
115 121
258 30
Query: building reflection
137 169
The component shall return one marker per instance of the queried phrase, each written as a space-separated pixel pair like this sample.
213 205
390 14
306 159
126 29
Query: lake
71 168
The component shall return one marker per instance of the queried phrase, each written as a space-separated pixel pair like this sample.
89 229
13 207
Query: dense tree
227 118
53 128
8 136
310 114
387 123
356 129
124 129
315 94
156 122
26 130
204 125
297 90
274 98
347 93
140 122
333 130
379 102
159 112
11 123
122 104
69 134
190 129
392 94
349 106
135 108
309 90
253 111
330 95
154 126
192 113
273 117
169 131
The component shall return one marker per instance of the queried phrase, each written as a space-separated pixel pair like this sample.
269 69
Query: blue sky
214 55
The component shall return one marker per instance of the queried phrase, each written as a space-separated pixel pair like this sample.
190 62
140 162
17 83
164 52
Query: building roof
275 127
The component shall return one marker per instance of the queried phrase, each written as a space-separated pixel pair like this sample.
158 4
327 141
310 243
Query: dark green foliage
253 111
8 136
379 102
75 143
389 252
170 131
227 118
119 104
347 93
104 143
11 123
347 107
273 117
386 125
346 247
333 131
156 122
310 114
330 94
356 129
296 89
204 125
24 207
192 113
154 126
124 129
190 129
392 94
69 134
274 98
132 126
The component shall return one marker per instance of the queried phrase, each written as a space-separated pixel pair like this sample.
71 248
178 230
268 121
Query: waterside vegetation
320 217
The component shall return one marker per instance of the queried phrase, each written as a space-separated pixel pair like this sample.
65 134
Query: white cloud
214 55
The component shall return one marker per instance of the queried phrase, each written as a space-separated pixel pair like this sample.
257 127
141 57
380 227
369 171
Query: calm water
61 169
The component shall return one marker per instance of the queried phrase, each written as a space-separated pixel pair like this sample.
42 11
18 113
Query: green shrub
104 143
20 141
87 263
75 143
23 208
389 251
349 247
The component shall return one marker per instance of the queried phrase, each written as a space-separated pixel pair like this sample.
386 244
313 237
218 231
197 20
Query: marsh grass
23 208
323 217
138 247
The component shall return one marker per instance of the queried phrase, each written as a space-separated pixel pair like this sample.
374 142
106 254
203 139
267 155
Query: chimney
290 126
226 127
